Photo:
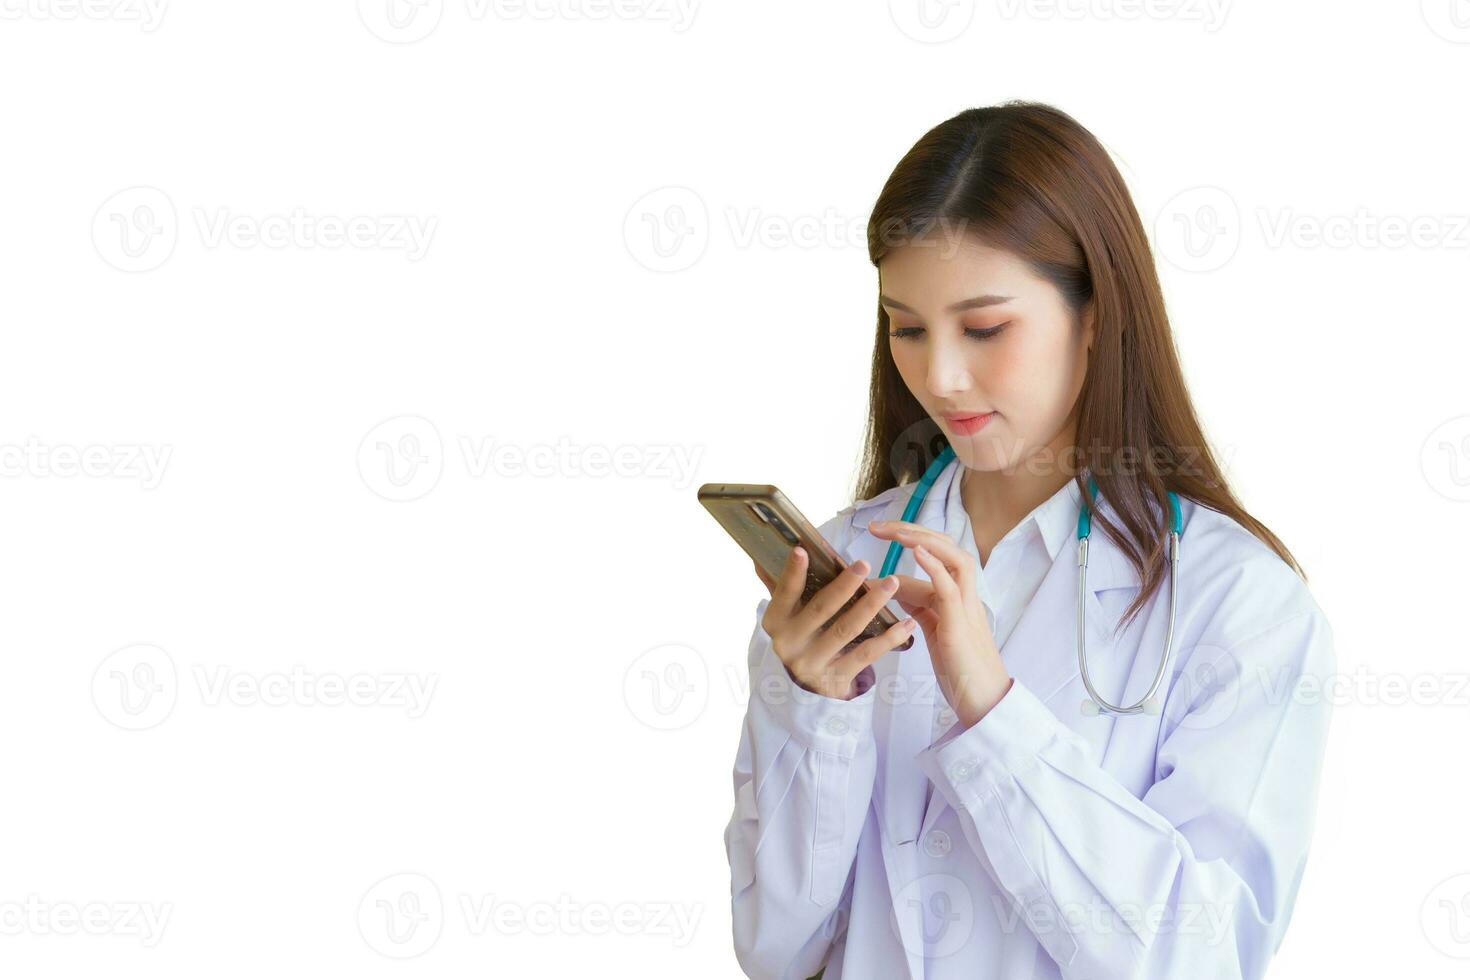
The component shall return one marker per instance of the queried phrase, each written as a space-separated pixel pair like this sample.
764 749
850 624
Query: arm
1196 879
803 781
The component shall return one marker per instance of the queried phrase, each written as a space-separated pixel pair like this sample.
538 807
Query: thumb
927 619
913 592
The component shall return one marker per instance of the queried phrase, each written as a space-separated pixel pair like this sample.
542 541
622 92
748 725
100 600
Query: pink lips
968 424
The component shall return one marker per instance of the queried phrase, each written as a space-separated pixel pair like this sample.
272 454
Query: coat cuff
820 723
968 763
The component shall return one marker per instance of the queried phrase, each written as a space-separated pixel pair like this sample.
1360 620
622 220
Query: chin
989 454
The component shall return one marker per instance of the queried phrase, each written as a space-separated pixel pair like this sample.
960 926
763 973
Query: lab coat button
947 717
962 771
937 843
836 726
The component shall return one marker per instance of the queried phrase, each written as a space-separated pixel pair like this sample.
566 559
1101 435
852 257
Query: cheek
911 362
1009 372
1047 362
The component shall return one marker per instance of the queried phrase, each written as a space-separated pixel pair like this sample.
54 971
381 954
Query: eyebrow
974 302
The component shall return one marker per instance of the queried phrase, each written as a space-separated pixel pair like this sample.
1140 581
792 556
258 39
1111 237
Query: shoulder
1238 586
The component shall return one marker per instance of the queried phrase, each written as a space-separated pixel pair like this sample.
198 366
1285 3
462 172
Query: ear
1087 324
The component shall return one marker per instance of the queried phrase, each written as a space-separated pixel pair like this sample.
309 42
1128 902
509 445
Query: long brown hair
1028 178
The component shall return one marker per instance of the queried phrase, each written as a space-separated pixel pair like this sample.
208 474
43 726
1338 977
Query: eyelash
974 333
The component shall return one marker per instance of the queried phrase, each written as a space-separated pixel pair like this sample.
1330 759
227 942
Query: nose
948 373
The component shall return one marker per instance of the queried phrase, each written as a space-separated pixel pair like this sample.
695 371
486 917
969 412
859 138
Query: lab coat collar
1055 517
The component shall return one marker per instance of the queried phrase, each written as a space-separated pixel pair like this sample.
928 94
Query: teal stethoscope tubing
1096 702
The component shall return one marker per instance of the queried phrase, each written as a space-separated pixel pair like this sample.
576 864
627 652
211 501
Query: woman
949 810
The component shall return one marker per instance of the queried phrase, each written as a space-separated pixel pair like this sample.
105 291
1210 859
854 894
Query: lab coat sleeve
803 782
1198 878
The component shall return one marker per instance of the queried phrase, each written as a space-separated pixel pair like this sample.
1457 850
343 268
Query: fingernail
860 566
890 583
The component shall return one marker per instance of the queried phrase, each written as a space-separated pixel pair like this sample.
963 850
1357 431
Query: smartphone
767 525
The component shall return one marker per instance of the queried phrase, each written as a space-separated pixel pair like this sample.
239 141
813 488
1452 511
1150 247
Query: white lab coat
1054 844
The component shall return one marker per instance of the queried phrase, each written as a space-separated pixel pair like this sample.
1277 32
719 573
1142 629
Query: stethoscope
1096 703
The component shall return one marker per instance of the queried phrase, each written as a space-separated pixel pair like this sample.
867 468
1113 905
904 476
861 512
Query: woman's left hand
948 610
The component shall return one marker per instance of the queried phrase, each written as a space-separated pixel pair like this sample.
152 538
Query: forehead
940 261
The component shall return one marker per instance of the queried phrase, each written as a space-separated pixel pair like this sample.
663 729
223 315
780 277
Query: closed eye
974 333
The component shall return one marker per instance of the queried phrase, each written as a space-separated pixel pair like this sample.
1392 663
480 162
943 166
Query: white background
386 460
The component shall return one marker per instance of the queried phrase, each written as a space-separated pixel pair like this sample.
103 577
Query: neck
996 500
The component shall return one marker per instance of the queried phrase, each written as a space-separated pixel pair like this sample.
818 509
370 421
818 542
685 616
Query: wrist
978 704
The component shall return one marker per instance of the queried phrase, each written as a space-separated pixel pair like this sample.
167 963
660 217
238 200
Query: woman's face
974 330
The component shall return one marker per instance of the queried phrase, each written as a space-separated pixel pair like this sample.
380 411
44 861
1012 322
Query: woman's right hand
820 659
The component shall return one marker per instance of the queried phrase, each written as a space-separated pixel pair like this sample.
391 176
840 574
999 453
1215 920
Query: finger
828 600
850 624
959 561
945 588
855 660
787 594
